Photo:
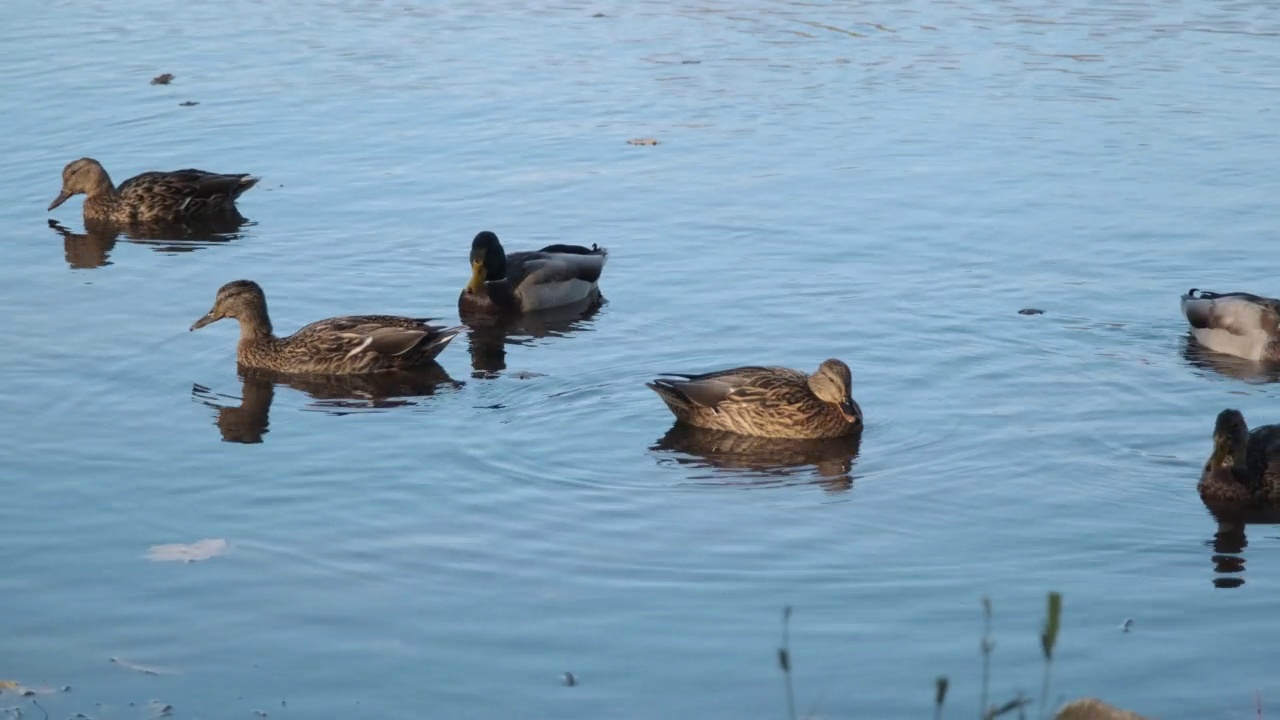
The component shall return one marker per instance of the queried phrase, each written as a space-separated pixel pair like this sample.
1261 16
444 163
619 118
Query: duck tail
244 183
671 394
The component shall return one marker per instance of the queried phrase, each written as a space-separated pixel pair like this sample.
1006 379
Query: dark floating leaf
188 103
163 79
1030 311
598 15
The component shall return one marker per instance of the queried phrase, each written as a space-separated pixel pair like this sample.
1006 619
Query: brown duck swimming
178 197
766 401
529 281
1245 466
337 346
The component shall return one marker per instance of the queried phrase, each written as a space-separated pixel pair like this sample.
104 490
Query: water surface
886 185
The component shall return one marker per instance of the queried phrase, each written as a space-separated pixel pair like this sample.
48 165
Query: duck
1236 323
347 345
772 402
529 281
177 197
1245 465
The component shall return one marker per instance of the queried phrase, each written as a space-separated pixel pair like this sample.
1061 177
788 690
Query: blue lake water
884 183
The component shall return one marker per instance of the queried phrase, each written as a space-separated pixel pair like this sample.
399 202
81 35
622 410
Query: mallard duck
177 197
340 345
1244 466
1237 323
528 281
766 401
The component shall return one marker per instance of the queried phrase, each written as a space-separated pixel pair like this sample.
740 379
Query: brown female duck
177 197
766 401
340 345
528 281
1245 466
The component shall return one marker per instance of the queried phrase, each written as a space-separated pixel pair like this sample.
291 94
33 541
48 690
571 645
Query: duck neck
501 294
101 187
255 326
101 197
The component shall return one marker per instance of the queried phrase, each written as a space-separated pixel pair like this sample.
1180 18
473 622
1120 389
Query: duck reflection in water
752 462
1250 371
333 394
1230 540
490 334
92 248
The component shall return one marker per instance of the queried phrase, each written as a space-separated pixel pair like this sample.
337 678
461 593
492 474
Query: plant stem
986 655
784 661
1044 686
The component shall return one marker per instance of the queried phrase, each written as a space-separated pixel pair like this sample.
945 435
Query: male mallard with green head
340 345
178 197
1245 466
1236 323
527 281
766 401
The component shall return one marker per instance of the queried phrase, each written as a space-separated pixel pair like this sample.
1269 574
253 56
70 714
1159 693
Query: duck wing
189 183
555 276
387 335
555 264
742 384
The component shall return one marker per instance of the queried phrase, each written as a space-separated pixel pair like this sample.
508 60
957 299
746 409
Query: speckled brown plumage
1245 466
155 198
765 401
341 345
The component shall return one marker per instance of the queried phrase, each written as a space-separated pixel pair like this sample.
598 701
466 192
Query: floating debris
690 62
188 103
598 15
16 688
1030 311
642 141
162 79
144 669
196 551
1128 623
569 679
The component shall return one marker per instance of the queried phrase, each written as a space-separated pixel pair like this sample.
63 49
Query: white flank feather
548 295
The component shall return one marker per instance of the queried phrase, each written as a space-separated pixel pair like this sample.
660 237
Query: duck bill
62 197
208 318
1220 453
477 278
851 411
